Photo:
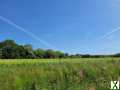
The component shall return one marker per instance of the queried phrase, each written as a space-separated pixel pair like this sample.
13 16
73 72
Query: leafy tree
40 53
0 53
30 51
49 54
9 49
59 54
7 43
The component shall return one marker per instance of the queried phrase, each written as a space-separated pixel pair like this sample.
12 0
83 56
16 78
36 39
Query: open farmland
59 74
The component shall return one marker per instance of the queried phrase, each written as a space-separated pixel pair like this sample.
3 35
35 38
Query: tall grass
63 74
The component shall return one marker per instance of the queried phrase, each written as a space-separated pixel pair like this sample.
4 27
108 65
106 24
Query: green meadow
59 74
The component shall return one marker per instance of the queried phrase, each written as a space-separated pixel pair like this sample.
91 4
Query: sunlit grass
77 60
59 74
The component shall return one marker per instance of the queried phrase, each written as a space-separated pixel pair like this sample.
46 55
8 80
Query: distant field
59 74
79 60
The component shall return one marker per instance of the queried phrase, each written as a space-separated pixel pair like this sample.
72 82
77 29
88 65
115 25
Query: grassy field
59 74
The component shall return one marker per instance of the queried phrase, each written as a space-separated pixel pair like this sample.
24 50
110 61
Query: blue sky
74 26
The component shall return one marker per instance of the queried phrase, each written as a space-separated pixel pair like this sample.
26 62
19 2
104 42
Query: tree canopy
9 49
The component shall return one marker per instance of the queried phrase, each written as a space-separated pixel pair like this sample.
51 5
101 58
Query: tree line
9 49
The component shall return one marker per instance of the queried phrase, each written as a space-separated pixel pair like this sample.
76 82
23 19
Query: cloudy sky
74 26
